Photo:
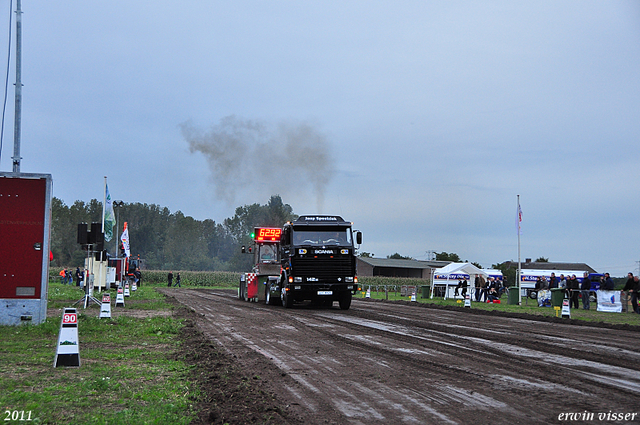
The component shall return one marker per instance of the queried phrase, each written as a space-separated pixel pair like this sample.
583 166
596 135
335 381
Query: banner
609 301
109 215
124 238
519 220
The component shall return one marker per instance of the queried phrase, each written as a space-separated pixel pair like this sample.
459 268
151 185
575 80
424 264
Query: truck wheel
287 301
267 296
345 301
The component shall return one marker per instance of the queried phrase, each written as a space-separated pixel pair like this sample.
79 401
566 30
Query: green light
253 235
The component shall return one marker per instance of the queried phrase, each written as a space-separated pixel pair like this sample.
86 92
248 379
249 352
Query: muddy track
397 363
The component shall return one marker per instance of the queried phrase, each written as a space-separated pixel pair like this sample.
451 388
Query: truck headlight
297 279
348 279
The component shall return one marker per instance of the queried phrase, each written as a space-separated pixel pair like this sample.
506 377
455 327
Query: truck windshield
268 253
339 237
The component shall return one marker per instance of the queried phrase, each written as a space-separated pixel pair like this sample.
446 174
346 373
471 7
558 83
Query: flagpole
104 202
519 263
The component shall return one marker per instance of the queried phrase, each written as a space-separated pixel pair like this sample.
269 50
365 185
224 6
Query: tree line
165 240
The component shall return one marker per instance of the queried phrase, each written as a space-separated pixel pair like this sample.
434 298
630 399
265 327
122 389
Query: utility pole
18 114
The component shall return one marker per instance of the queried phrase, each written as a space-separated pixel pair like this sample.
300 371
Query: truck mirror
359 237
243 249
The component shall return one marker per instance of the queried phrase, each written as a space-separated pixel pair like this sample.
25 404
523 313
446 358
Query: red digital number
69 318
269 234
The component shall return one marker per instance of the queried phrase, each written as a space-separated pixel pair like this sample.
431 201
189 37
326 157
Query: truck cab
318 261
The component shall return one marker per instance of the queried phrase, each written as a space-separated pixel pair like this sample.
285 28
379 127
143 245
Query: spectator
465 285
585 289
455 293
478 285
492 294
79 276
563 282
553 281
607 283
573 286
170 279
178 280
631 288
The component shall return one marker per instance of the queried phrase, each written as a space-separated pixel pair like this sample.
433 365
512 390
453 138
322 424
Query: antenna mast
18 114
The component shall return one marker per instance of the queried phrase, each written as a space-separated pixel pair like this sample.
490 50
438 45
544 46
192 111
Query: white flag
124 238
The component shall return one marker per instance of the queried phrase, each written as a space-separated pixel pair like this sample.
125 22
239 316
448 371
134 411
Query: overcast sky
420 121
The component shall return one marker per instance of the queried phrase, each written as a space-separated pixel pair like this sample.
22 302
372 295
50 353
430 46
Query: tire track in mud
393 363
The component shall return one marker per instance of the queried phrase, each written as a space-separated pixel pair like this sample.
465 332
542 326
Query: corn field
188 278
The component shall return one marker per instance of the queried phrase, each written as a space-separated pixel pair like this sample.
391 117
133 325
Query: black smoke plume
251 158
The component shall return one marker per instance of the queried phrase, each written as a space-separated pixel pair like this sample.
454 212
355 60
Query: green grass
528 306
129 373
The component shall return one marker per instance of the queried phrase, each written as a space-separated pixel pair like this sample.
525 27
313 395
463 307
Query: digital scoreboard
267 234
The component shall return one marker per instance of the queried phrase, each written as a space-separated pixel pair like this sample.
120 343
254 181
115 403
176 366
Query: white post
519 263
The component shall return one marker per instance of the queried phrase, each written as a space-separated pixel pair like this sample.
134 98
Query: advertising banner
609 301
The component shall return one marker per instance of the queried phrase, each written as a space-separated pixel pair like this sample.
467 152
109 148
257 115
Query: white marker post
566 309
105 308
126 290
68 351
120 298
467 300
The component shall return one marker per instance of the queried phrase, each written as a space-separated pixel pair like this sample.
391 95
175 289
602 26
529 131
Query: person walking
585 290
170 279
178 280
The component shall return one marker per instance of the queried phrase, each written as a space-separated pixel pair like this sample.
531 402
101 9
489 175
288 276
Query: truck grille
324 268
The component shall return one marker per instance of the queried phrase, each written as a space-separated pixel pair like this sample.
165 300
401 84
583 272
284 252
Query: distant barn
397 268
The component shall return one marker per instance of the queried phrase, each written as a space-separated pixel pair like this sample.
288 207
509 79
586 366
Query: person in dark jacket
573 286
607 283
170 279
585 290
631 288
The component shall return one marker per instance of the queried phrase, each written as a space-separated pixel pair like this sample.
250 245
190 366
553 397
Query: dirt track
405 364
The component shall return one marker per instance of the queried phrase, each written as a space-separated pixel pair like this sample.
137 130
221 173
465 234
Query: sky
420 121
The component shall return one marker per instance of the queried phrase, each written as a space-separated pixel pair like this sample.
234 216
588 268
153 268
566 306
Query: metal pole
18 114
519 262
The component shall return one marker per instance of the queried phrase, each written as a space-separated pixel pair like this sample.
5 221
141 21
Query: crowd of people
575 290
67 277
484 290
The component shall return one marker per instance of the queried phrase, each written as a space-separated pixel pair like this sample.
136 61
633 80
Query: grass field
129 373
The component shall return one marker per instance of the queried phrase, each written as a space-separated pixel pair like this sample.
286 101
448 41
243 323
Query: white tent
451 272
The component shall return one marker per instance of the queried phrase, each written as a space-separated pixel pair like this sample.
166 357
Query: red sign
267 234
69 318
106 298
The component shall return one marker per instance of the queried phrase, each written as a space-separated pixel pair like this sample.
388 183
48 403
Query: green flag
109 216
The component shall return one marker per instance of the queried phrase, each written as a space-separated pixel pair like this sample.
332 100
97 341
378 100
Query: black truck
318 259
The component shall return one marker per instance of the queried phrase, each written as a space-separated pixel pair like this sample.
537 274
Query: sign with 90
69 318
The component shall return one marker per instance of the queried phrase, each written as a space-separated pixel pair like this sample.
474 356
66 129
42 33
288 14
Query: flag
519 220
124 238
109 215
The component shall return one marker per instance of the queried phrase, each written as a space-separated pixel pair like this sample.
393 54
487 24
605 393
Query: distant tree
508 274
366 255
397 256
476 264
165 240
542 260
444 256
